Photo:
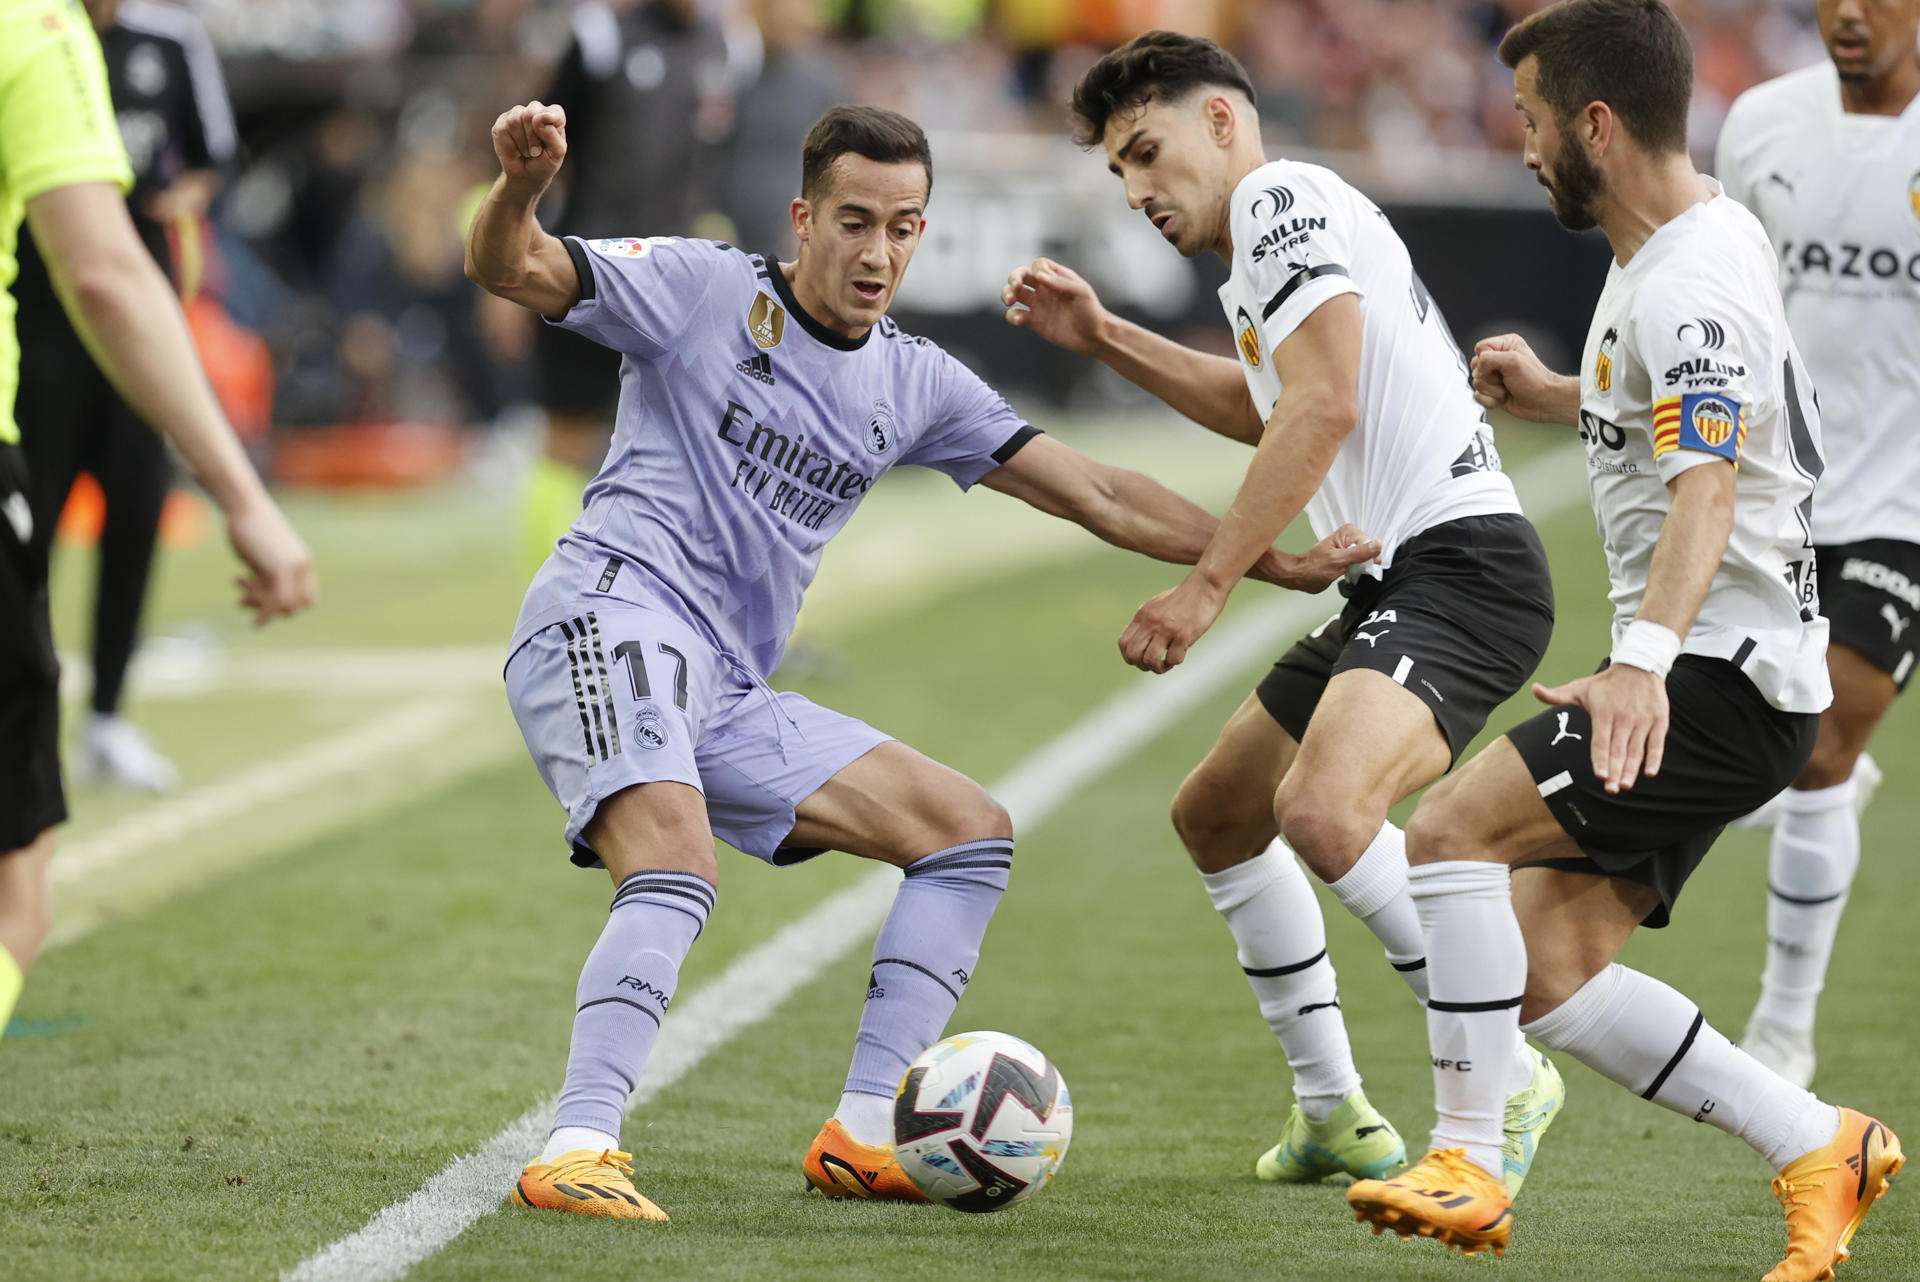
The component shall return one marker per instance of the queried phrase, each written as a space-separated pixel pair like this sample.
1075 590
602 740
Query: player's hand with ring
531 142
1167 626
1056 303
1508 376
1628 706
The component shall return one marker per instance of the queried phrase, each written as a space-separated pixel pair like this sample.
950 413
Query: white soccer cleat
115 751
1867 777
1788 1052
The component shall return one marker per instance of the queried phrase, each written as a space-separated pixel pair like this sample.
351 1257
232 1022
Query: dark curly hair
1162 65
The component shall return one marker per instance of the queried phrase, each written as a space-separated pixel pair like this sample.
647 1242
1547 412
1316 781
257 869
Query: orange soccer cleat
1829 1191
585 1182
840 1166
1444 1196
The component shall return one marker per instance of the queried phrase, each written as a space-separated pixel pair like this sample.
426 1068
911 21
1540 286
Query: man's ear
802 215
1598 126
1222 122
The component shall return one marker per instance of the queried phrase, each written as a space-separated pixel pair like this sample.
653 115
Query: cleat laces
610 1159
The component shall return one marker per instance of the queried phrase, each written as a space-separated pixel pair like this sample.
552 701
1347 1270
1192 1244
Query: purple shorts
622 694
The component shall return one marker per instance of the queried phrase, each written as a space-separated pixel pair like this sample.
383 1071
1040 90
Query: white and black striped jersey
1689 362
168 93
1839 194
1421 453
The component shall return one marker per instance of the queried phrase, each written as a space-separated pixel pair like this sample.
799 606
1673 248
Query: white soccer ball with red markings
981 1121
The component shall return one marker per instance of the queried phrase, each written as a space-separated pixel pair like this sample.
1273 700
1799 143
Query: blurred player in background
176 122
1828 158
759 403
63 167
1702 448
1355 396
648 87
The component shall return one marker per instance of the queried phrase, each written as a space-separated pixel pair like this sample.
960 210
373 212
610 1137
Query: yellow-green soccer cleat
1355 1139
1529 1113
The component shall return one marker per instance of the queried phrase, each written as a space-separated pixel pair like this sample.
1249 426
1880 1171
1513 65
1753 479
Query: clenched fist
1507 375
531 142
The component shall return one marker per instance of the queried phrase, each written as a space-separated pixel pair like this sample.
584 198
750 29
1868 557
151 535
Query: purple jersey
747 434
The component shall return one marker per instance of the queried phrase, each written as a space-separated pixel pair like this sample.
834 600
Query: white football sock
566 1139
1375 891
1816 851
1653 1041
868 1118
1270 907
1478 967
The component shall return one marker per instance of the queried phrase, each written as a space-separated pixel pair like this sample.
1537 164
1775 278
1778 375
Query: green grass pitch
257 1039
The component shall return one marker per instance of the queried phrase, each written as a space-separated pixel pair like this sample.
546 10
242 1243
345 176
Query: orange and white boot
1444 1196
1827 1193
840 1166
585 1182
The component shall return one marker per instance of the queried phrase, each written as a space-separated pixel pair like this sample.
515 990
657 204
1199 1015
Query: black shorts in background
1870 593
577 376
1461 619
31 798
1728 752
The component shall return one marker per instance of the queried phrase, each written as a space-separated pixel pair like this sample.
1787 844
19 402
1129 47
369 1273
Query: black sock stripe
1778 893
693 881
1471 1008
1418 963
945 859
1309 1009
967 865
1686 1044
901 961
602 1001
663 888
1273 972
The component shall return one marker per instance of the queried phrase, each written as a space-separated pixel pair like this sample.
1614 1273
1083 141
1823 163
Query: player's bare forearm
511 256
1308 427
1145 516
1208 389
125 311
1693 541
1561 404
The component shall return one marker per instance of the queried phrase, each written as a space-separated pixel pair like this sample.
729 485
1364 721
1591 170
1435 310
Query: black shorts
1870 593
577 375
1728 752
1461 619
31 799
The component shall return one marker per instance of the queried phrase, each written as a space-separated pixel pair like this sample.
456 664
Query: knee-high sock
922 962
1270 907
624 991
11 981
1653 1041
1477 966
1816 851
1375 891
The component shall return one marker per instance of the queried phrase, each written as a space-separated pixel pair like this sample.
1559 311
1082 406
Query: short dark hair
1159 64
1632 55
872 132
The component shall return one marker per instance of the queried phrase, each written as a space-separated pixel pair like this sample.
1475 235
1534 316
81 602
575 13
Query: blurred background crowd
363 135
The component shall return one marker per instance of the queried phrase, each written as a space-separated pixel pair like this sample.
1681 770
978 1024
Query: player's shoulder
1780 103
1718 265
663 252
1278 187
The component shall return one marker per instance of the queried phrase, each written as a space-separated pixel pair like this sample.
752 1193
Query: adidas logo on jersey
758 366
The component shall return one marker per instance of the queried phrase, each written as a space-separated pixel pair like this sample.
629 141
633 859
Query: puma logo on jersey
1896 621
1564 733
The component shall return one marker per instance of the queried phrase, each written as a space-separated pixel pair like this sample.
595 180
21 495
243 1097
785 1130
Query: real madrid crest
1248 339
1603 363
880 430
766 321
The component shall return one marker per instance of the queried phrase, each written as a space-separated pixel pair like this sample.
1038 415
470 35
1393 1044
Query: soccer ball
981 1121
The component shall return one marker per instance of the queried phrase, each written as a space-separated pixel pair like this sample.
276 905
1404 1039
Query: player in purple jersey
759 403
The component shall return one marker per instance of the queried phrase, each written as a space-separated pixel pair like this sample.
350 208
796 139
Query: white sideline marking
759 981
398 733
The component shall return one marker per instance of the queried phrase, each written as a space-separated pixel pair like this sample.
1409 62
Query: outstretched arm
1137 513
1319 367
507 252
1057 304
1508 376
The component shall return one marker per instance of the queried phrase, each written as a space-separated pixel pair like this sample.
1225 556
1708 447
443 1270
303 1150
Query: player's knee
1329 831
970 814
1216 833
1440 827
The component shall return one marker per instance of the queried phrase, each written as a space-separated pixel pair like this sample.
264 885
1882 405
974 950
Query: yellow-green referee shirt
56 129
